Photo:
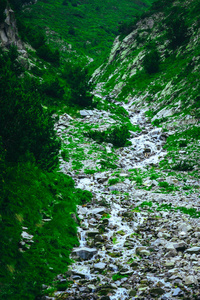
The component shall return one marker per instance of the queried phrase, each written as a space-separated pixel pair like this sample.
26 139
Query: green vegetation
151 61
2 9
77 85
36 202
118 276
90 27
192 212
117 135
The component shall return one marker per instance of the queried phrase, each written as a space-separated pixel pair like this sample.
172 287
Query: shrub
27 129
30 196
2 9
151 61
127 27
177 30
52 89
116 135
77 80
45 52
113 181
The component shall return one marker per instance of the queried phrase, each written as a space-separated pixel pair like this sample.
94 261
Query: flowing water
107 263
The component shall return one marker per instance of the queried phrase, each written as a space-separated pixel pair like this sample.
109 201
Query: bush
45 52
18 4
27 129
53 89
77 80
2 9
177 30
117 135
127 27
151 61
30 196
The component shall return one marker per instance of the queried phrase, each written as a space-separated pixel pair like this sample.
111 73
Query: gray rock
193 250
99 210
177 292
190 280
180 246
85 253
142 251
99 266
83 113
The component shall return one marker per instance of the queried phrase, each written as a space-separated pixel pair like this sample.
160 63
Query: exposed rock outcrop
8 31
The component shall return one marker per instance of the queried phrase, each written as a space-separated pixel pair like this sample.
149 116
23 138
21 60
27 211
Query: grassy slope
174 90
90 26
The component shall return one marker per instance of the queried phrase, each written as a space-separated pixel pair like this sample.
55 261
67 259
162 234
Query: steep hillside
88 26
116 154
156 69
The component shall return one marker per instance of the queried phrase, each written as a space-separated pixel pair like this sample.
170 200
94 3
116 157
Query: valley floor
140 236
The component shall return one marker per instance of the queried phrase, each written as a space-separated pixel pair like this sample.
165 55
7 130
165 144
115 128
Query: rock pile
135 242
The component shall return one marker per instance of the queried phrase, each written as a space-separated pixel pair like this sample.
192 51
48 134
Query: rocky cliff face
8 31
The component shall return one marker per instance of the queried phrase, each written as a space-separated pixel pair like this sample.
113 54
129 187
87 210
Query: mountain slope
89 26
156 68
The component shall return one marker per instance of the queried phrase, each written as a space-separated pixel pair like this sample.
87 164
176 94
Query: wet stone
194 250
85 253
181 246
92 233
100 266
157 291
177 292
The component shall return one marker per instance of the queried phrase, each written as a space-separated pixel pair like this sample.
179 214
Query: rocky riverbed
139 238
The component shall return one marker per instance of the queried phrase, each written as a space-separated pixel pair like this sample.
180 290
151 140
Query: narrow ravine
131 245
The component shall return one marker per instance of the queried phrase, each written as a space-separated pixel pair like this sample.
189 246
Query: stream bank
135 243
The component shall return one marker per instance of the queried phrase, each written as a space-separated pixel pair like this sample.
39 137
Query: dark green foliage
84 196
9 59
157 122
53 89
113 181
117 135
107 164
65 155
45 52
2 9
33 35
28 198
177 30
127 27
189 211
18 4
89 26
27 129
118 276
151 61
160 4
183 166
77 84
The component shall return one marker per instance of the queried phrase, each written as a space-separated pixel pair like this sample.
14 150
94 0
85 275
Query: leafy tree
25 126
78 86
2 9
45 52
18 4
177 30
127 27
151 61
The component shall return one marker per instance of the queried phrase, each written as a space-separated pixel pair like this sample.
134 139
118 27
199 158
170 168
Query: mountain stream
128 250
